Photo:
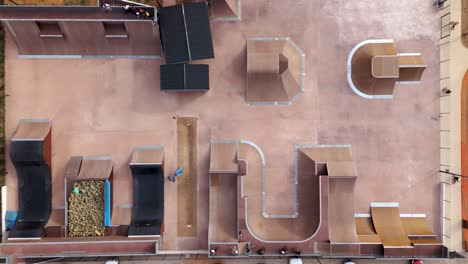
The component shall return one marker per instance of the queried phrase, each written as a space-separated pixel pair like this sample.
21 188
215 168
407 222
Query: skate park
325 220
261 179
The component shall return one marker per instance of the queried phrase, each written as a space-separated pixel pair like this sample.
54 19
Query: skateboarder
261 251
234 251
106 7
453 24
439 3
128 9
177 173
284 251
455 179
249 248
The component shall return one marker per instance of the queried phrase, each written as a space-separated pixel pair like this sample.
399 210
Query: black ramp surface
199 31
148 200
174 40
197 77
34 189
172 77
189 77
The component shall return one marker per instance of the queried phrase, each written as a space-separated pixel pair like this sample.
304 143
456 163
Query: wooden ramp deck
223 222
361 64
417 226
342 226
369 241
387 223
223 158
187 194
336 162
143 155
300 228
421 236
274 70
223 208
95 168
33 129
225 9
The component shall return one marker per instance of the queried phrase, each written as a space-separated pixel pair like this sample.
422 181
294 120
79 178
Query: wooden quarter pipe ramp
375 67
387 223
275 71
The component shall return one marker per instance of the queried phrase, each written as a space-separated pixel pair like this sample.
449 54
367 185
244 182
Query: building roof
186 32
188 77
85 13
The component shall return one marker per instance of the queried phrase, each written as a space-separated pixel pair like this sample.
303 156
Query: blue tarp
107 203
10 218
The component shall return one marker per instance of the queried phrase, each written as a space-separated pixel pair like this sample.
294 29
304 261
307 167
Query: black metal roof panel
186 32
172 77
199 31
185 77
173 35
197 77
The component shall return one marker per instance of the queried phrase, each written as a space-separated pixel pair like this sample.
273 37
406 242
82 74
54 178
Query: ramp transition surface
275 69
148 192
388 225
29 150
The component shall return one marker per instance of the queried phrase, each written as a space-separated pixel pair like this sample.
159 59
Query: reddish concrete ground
105 107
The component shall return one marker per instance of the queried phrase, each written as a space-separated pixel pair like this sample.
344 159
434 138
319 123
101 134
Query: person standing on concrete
128 9
212 252
106 7
234 251
439 3
284 251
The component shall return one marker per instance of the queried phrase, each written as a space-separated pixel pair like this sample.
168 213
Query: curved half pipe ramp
148 191
30 154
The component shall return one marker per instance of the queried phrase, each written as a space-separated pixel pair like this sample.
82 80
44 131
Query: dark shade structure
148 200
34 194
185 77
186 33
